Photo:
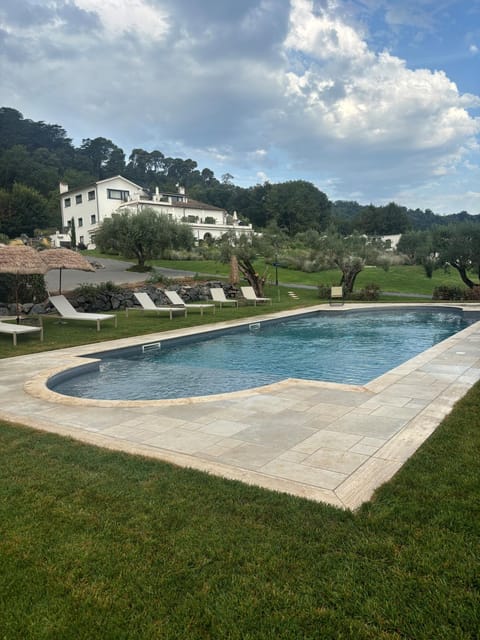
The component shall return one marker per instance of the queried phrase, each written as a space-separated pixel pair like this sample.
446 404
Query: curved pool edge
391 418
78 357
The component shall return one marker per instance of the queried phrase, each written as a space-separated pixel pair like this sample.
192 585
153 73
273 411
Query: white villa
89 206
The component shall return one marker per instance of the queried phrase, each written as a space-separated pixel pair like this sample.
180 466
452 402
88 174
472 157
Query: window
93 218
91 195
82 240
78 199
118 194
80 222
67 202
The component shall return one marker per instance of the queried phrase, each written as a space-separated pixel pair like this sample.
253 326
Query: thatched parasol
20 260
65 259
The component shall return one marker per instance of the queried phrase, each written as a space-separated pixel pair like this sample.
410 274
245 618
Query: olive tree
350 254
145 235
245 249
459 246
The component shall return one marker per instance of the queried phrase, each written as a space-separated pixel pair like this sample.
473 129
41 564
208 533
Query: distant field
398 279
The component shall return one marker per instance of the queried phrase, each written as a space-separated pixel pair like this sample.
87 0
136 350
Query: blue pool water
351 347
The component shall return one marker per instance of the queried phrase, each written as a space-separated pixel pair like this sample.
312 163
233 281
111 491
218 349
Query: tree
380 221
22 211
245 249
349 254
37 169
145 235
297 205
459 246
104 157
416 245
73 234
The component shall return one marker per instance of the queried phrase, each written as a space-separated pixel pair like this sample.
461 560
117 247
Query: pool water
349 347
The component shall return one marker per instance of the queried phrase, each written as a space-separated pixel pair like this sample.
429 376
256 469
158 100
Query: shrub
369 293
449 292
159 278
473 294
29 288
92 290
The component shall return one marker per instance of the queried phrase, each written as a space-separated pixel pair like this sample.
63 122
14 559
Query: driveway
111 271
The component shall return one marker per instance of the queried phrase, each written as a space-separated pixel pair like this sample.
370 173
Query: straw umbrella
20 260
64 259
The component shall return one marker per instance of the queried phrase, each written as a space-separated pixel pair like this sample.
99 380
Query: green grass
98 544
398 279
59 334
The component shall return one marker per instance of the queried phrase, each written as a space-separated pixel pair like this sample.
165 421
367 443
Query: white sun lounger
67 312
147 304
15 329
176 300
250 296
336 294
218 296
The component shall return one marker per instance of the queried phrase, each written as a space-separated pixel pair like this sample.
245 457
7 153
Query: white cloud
291 89
367 110
118 17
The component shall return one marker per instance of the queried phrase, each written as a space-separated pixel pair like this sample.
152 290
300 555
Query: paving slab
318 440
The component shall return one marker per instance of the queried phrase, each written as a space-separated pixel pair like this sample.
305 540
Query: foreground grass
95 544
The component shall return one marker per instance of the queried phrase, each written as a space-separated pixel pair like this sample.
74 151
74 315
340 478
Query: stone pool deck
323 441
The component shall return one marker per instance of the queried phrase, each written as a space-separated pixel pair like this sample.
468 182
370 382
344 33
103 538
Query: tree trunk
140 257
463 274
253 278
349 275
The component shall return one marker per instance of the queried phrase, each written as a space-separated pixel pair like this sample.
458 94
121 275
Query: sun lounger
250 296
67 312
218 296
147 304
15 329
176 300
336 295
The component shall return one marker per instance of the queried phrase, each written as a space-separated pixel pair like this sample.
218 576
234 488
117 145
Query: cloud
121 17
369 112
289 89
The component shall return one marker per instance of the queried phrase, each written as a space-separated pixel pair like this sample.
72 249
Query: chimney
63 186
181 190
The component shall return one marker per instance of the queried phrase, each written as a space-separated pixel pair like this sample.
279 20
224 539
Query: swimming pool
349 347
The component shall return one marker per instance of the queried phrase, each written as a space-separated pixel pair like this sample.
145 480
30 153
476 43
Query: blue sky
371 100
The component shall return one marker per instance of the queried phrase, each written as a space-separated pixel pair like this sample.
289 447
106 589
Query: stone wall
104 300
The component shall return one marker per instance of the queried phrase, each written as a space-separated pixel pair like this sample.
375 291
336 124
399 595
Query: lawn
60 334
100 544
398 279
95 544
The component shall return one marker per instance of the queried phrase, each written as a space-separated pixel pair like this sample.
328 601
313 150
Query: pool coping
385 421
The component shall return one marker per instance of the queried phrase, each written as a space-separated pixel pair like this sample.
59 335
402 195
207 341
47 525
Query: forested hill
35 157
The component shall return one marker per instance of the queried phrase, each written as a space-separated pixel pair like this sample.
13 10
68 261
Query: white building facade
89 206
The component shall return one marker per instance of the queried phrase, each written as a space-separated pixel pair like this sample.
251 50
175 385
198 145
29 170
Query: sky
370 100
